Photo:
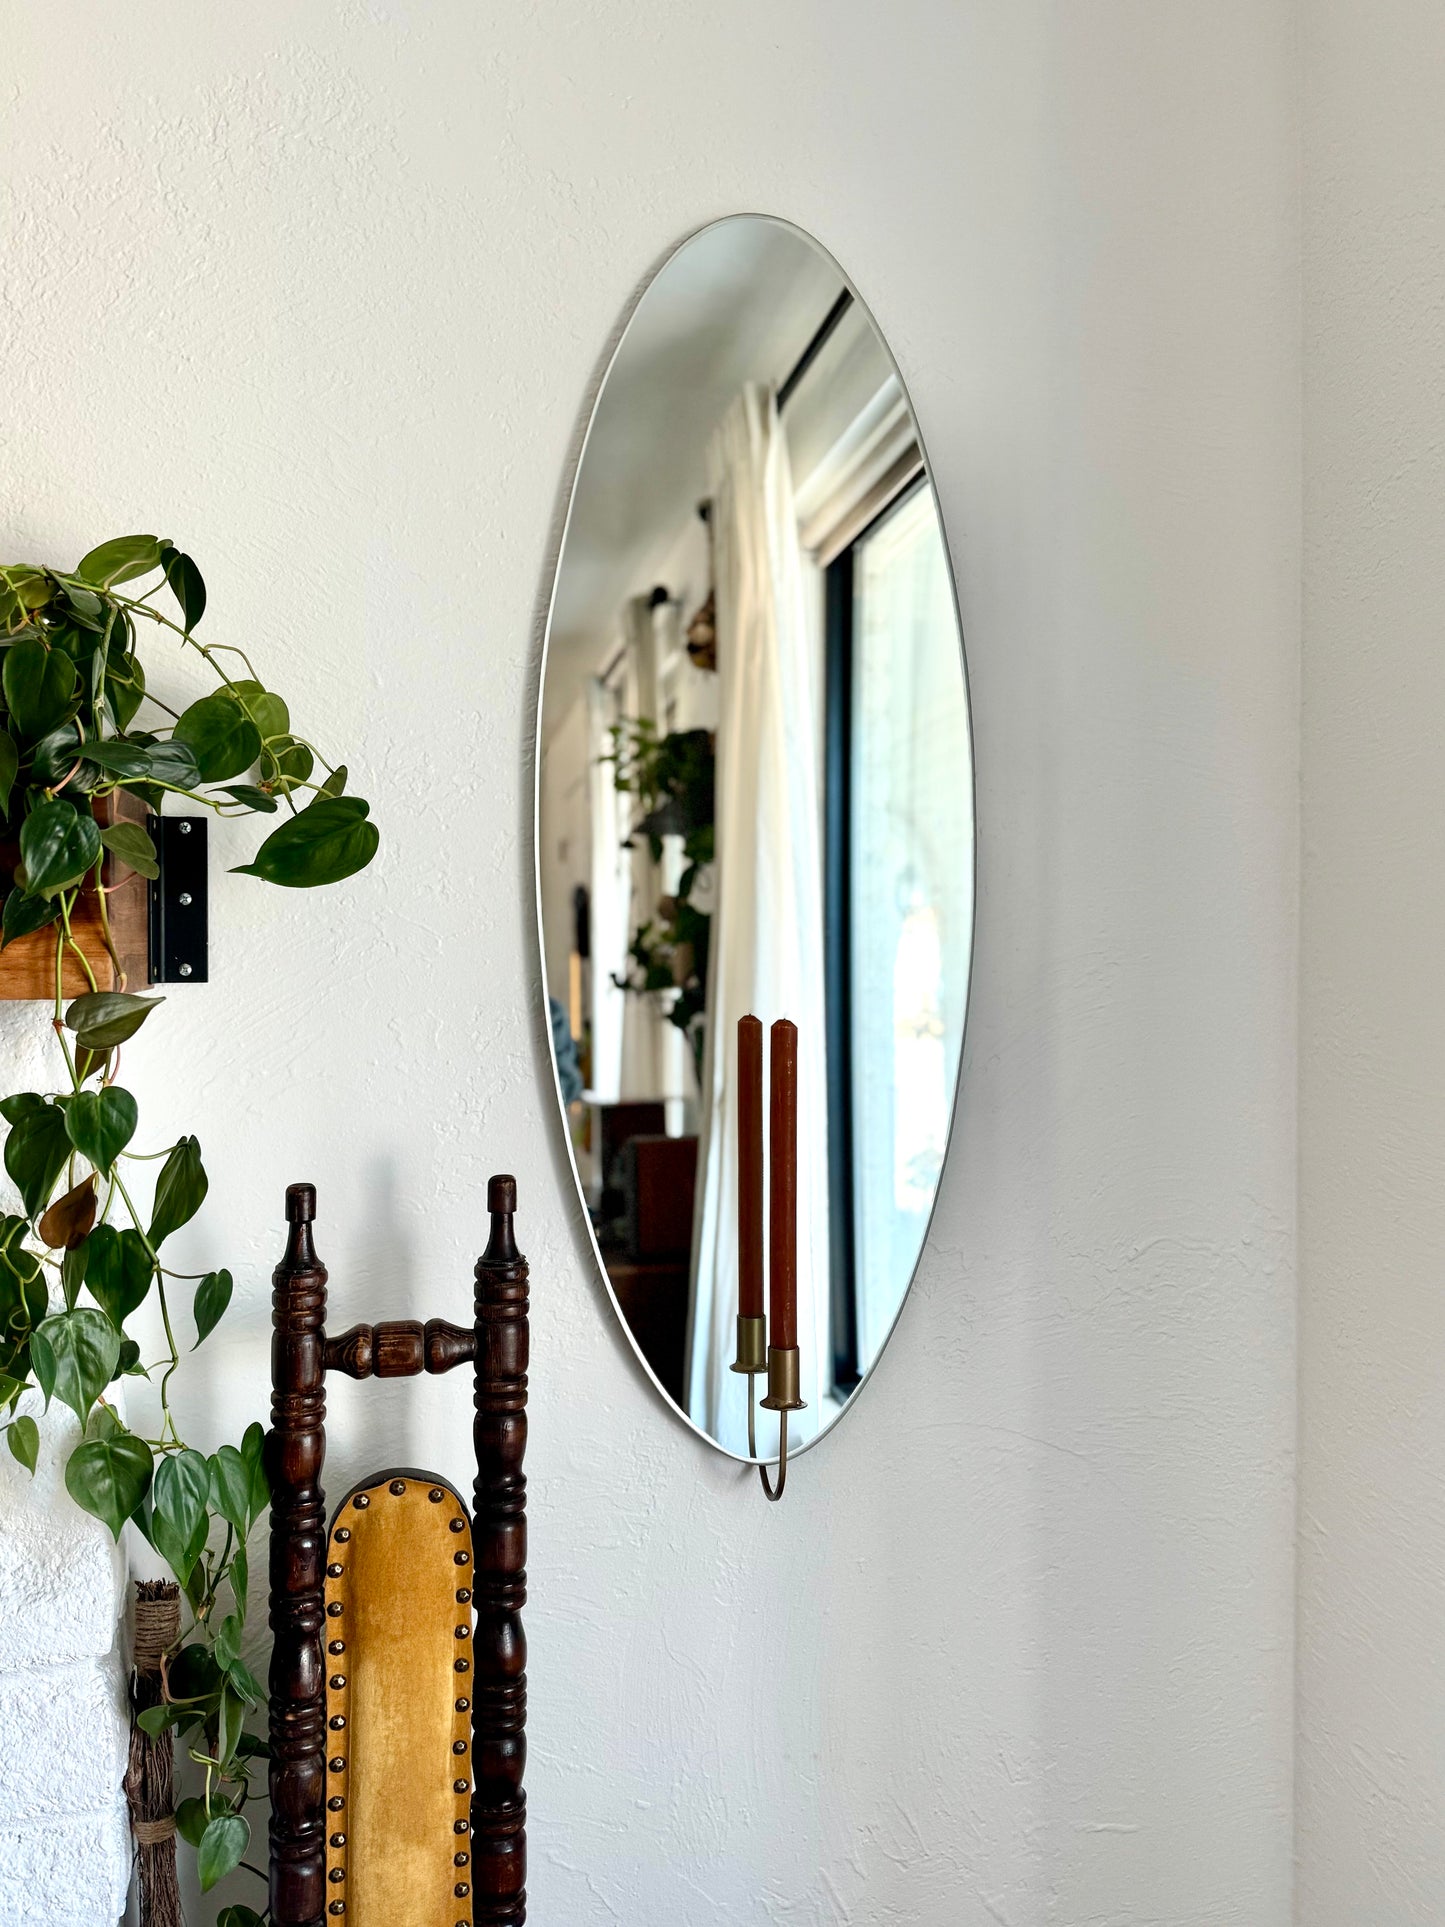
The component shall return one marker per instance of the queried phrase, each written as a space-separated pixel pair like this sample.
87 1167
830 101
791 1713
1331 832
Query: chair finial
300 1203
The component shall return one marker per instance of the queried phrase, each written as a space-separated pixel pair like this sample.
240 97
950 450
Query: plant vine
82 1256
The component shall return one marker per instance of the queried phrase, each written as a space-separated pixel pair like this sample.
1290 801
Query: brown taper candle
750 1167
783 1170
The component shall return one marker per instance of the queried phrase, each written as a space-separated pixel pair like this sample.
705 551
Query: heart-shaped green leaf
172 762
269 713
44 1364
330 839
121 759
79 640
125 686
39 682
187 587
23 1438
58 845
223 1847
179 1520
84 1347
253 1451
194 1674
118 1271
85 606
95 681
36 1152
57 762
231 1488
72 1271
156 1720
120 560
222 737
104 1018
227 1643
252 797
109 1478
180 1190
101 1124
285 762
130 843
240 1577
192 1820
213 1294
30 588
246 1684
335 784
231 1719
25 914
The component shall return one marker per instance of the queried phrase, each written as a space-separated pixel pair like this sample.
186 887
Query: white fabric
642 1065
767 937
611 898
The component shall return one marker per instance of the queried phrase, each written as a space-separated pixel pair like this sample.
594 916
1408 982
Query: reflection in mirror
755 795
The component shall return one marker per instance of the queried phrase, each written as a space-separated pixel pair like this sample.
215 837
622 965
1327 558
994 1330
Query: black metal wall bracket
178 905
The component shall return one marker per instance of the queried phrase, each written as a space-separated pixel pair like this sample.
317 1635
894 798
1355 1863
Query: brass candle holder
752 1345
784 1375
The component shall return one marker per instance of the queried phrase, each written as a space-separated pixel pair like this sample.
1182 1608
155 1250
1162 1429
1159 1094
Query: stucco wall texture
321 294
65 1846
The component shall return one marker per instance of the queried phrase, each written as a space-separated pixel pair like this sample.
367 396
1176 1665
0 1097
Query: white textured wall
64 1838
1372 1085
320 292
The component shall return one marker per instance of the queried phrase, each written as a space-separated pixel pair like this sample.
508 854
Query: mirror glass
754 795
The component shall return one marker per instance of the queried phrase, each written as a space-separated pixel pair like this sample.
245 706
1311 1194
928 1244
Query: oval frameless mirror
754 795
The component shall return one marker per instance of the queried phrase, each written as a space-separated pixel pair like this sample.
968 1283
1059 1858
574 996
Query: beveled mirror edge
592 402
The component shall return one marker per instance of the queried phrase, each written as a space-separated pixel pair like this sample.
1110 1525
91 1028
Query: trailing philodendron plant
87 1249
672 778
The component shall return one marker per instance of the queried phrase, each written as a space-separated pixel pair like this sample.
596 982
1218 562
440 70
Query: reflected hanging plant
673 778
78 723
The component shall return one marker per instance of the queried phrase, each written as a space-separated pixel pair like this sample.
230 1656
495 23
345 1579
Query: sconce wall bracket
179 922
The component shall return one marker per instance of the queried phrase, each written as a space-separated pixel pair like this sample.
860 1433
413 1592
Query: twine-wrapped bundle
150 1772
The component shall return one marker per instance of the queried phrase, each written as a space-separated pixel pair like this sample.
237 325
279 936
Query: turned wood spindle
295 1448
499 1534
400 1349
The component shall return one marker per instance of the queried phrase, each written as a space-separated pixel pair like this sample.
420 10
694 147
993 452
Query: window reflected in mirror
899 907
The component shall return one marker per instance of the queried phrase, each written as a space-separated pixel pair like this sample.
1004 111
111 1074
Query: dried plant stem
150 1772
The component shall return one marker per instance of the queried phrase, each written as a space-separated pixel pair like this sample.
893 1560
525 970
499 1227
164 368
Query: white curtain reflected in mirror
767 944
754 795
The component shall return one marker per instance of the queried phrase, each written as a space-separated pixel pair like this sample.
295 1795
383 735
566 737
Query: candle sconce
782 1398
782 1364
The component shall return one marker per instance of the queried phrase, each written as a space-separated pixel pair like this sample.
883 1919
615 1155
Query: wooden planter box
27 966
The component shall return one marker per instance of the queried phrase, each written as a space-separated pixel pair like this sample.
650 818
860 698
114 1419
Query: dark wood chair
398 1682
